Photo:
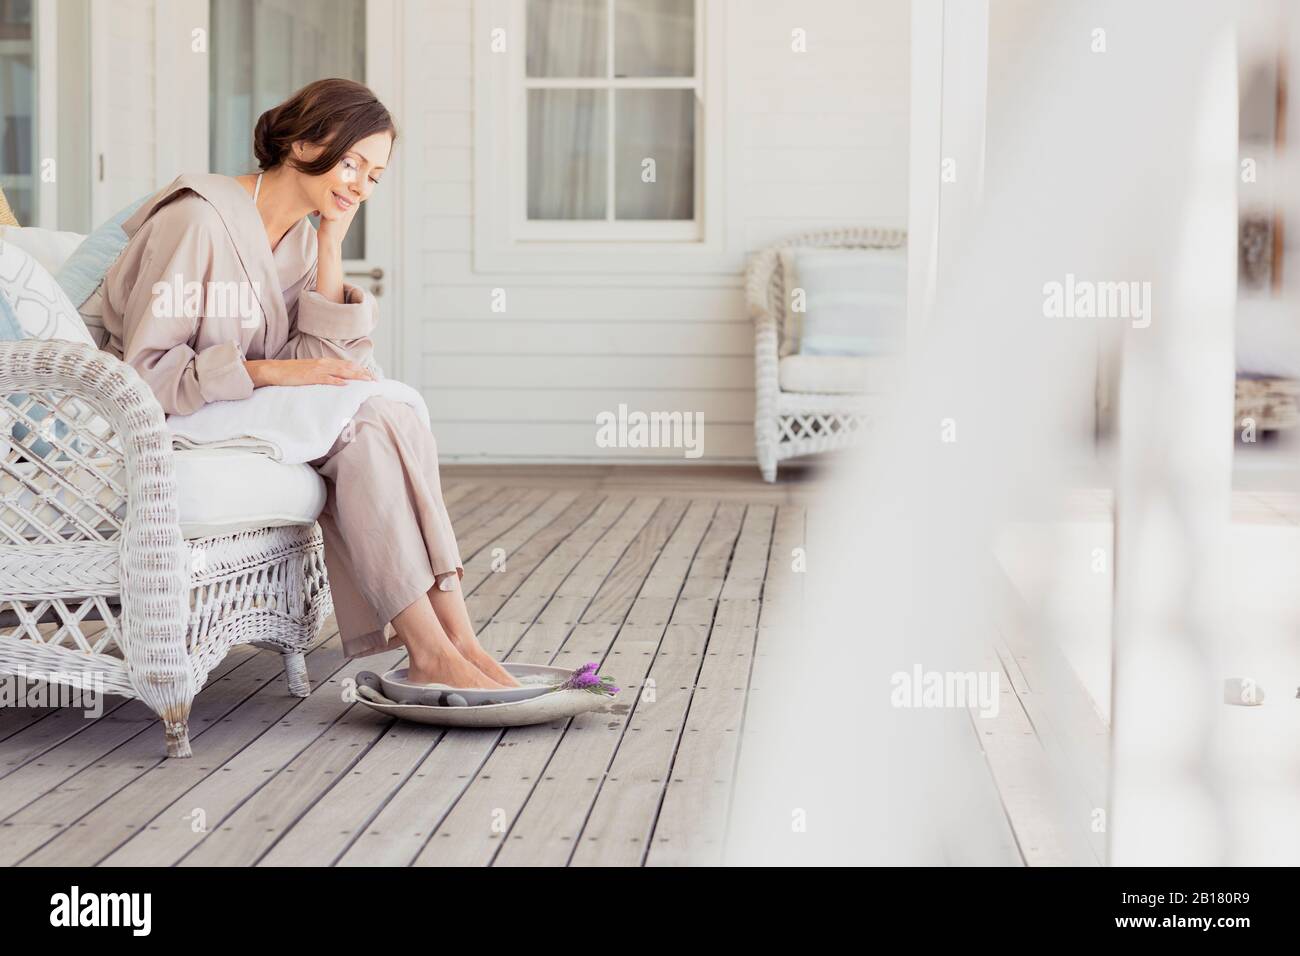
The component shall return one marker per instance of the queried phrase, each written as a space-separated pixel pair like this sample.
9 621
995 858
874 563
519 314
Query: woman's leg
388 538
432 657
453 615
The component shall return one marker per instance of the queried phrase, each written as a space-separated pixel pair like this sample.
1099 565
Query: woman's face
338 192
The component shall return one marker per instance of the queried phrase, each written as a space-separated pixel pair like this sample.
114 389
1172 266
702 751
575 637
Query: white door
261 52
179 85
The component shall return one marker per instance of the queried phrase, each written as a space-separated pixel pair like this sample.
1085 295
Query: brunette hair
332 113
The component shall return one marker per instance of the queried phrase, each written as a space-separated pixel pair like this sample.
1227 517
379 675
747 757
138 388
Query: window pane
567 153
263 51
654 37
654 139
17 110
566 38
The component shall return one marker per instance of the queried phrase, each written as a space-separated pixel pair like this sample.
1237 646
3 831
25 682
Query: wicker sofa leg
295 672
176 730
765 451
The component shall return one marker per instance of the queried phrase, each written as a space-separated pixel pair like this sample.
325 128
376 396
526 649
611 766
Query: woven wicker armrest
89 514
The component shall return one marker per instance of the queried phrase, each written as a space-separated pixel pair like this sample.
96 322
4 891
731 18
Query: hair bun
266 149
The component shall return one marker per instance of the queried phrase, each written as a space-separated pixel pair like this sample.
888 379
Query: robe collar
247 233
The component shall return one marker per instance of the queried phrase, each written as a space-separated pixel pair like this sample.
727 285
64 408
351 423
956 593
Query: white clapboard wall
821 141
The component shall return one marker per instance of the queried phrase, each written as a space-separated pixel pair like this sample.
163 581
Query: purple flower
586 678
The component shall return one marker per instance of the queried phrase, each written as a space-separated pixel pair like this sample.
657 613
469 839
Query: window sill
610 256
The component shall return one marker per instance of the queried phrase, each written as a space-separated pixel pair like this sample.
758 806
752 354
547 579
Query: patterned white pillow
38 303
32 306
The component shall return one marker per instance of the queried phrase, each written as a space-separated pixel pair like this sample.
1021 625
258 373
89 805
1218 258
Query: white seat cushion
218 491
223 490
839 374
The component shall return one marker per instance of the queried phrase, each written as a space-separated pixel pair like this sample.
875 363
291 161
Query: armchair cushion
855 300
222 490
218 492
839 374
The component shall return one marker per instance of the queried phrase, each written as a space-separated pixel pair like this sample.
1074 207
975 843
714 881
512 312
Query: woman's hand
329 253
331 232
318 371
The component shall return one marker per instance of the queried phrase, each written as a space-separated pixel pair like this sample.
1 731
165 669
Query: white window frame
45 27
504 238
43 49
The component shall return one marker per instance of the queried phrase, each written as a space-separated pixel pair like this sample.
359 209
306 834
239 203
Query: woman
389 546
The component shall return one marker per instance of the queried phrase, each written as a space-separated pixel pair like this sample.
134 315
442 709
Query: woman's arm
331 319
329 258
317 371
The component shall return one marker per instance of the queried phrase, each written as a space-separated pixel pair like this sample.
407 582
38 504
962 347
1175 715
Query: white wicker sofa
808 404
130 568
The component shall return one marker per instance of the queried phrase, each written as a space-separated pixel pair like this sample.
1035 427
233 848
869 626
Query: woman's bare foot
453 616
448 668
432 655
473 652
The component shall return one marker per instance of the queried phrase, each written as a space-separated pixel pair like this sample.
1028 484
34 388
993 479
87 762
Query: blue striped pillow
85 269
856 301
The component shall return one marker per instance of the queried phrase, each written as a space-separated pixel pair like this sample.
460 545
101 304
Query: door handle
376 273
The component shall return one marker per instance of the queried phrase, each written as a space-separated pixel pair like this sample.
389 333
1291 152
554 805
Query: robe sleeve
158 329
325 329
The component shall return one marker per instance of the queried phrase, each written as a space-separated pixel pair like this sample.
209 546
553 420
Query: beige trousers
388 537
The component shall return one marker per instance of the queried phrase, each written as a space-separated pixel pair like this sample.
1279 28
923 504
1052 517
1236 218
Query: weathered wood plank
692 817
1038 810
135 795
50 760
549 826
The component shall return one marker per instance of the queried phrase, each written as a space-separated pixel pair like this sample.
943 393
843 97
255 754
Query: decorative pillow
855 300
32 306
85 269
35 300
49 247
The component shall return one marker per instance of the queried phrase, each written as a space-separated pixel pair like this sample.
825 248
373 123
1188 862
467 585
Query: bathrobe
198 290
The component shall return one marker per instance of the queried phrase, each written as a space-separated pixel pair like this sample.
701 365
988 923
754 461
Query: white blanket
290 423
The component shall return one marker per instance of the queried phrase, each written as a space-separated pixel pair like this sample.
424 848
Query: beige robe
198 290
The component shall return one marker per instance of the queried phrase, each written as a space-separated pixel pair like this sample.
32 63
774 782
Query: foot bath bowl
534 680
546 694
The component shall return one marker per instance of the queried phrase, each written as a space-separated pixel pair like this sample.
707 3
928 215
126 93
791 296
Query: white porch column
1169 800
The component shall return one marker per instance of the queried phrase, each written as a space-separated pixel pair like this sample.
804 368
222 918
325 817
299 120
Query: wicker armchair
98 588
792 423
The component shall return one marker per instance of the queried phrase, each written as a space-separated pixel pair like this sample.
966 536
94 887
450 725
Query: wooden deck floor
663 575
665 588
